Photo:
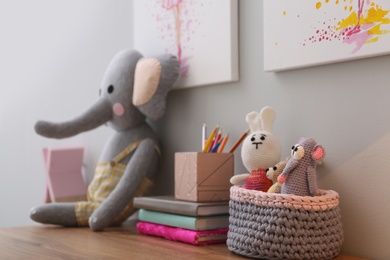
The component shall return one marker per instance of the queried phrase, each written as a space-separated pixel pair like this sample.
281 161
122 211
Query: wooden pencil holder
283 226
202 177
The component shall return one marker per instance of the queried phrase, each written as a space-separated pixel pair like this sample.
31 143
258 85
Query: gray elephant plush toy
133 88
299 175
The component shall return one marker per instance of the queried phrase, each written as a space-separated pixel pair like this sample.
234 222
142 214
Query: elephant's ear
153 79
146 78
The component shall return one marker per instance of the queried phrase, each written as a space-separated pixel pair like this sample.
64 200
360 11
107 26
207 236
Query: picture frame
307 33
202 34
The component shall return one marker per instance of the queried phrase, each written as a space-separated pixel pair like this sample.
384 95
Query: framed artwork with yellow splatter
313 32
202 34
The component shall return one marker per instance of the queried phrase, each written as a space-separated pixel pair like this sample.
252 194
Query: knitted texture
258 181
273 174
281 226
297 181
261 148
300 172
275 188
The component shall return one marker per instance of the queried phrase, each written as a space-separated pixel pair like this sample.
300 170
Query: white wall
53 54
344 106
52 58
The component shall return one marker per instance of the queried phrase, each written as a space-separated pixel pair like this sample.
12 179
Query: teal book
182 221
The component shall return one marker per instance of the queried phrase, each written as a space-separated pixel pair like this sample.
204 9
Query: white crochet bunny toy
261 149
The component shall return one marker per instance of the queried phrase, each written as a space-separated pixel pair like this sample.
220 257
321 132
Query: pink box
202 177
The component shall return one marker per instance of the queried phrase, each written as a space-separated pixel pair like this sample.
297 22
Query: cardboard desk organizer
202 177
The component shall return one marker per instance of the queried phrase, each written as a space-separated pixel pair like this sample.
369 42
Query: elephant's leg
55 213
143 164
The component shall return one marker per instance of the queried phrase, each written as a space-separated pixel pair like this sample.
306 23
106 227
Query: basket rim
325 199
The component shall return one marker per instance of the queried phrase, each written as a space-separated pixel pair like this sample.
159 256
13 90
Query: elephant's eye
110 89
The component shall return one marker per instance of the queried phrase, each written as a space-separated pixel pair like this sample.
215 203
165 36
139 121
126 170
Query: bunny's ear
253 121
267 116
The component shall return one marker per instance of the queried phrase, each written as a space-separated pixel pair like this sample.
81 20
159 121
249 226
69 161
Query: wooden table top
53 242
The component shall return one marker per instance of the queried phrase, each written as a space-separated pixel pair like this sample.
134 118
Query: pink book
64 180
194 237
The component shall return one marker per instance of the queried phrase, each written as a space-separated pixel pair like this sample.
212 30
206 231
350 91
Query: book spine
167 219
166 207
179 234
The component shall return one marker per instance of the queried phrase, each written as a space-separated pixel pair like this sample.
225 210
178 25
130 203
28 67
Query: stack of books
197 223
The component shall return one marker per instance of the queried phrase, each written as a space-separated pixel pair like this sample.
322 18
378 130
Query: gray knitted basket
282 226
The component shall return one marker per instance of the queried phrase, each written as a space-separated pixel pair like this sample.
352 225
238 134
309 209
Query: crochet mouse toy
133 88
260 150
273 174
299 175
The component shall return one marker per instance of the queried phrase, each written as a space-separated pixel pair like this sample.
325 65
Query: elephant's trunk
97 115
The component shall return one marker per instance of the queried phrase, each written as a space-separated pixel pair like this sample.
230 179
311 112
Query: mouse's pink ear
318 153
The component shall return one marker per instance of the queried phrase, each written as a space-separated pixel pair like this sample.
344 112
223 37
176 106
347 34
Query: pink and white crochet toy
261 149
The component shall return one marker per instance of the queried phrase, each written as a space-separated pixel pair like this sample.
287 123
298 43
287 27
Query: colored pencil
210 139
215 148
234 147
204 132
215 141
223 143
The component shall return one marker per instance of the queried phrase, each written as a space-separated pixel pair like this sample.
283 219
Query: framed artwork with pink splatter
313 32
202 34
